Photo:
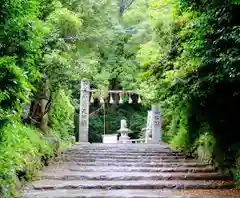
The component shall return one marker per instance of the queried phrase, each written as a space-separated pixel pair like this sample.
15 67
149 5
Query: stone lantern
124 132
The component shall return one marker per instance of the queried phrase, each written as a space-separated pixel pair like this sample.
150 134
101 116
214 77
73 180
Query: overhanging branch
124 5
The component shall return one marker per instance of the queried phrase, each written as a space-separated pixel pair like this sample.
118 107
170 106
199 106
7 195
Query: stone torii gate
153 125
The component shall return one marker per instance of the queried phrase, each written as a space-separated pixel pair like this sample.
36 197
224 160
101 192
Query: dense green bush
181 140
96 128
22 150
14 88
205 147
170 128
62 115
236 172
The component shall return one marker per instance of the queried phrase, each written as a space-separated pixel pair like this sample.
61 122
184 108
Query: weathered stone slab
137 160
70 167
142 169
143 184
113 194
115 153
120 149
149 146
71 175
124 157
157 164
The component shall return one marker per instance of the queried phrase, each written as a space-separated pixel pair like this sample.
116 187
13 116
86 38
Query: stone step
121 149
98 160
124 156
124 148
117 154
114 152
142 184
120 145
99 193
72 167
124 171
125 164
167 159
142 169
71 175
129 146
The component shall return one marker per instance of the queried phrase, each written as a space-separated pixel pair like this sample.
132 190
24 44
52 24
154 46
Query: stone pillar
84 111
148 127
156 124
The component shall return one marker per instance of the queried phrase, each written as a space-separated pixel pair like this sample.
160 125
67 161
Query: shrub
173 129
14 88
21 151
62 115
237 171
96 128
181 140
205 147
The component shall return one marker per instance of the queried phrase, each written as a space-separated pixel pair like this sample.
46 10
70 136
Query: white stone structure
153 133
156 124
124 132
148 132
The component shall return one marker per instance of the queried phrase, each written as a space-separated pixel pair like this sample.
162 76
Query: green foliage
192 63
62 114
96 128
22 34
14 88
172 129
237 170
21 150
181 140
206 147
137 122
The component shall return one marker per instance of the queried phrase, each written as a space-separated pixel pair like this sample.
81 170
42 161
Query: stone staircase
123 171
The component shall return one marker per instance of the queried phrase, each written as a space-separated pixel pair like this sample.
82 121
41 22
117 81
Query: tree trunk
40 106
